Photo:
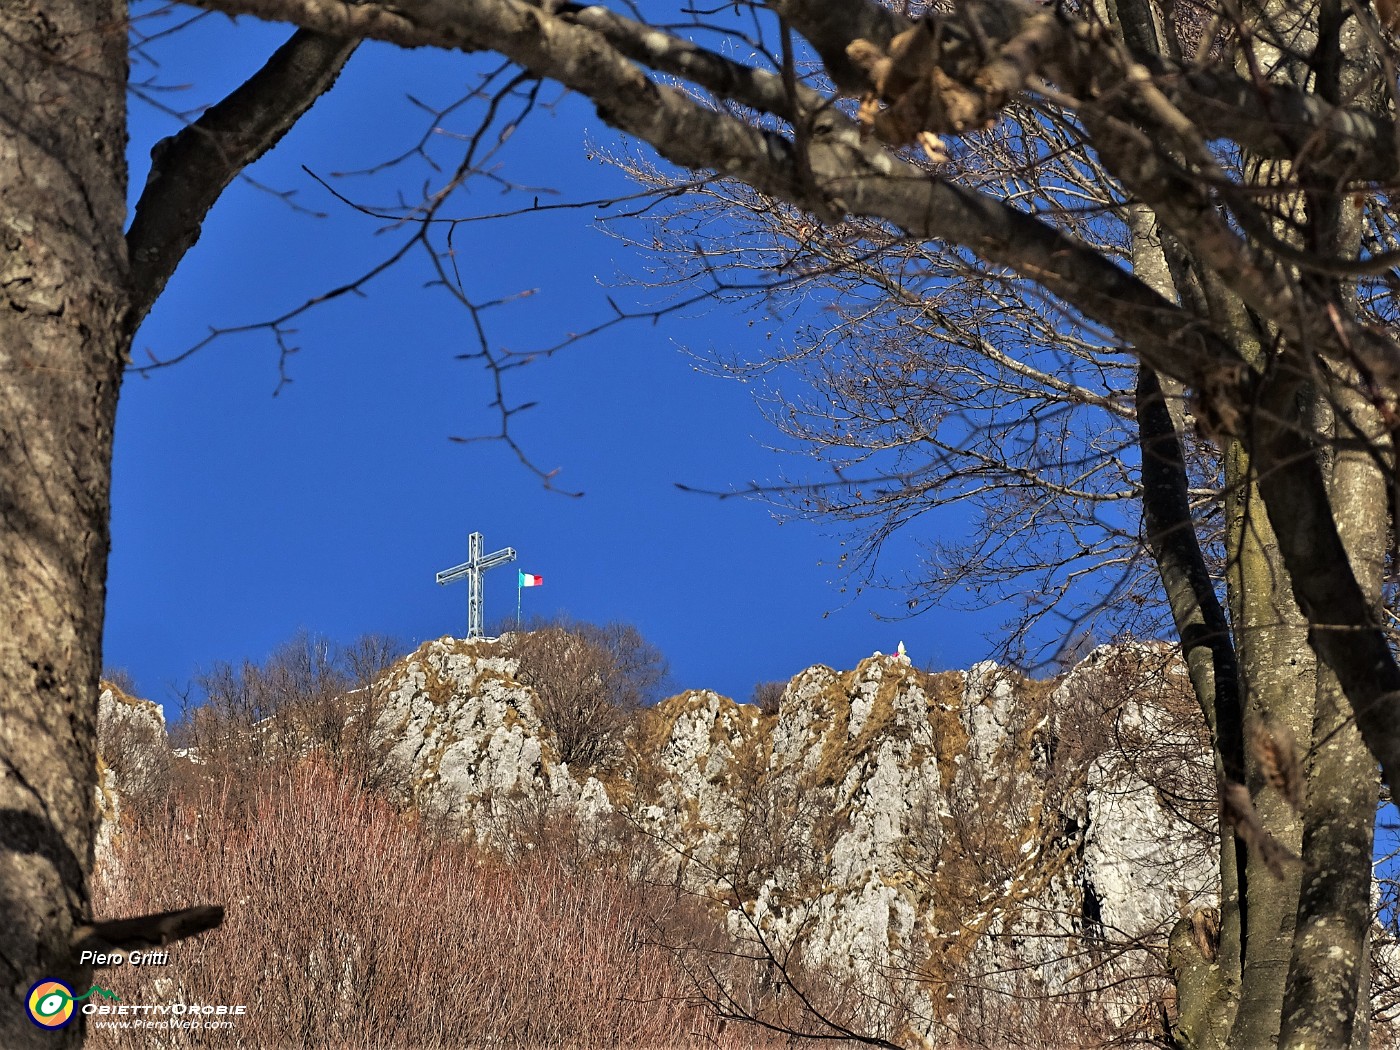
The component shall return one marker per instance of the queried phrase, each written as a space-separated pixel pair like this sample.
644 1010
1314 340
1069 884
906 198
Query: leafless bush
767 695
589 682
348 927
308 695
760 981
340 722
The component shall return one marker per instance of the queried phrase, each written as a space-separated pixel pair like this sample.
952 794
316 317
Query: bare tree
308 695
1251 148
1097 487
589 682
768 696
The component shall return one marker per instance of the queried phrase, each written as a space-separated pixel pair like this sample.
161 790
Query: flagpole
519 586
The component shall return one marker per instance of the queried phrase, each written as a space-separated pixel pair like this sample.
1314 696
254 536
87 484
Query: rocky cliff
935 840
133 760
930 845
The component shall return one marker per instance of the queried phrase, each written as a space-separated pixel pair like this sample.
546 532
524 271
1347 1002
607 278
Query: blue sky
240 517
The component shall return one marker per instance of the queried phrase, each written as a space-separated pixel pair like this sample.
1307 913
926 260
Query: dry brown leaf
1240 812
1277 752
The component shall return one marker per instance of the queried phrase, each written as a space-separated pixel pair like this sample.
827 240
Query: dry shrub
759 979
308 695
347 927
589 682
767 696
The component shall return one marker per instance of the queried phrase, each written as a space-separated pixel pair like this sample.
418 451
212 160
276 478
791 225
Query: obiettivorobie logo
50 1002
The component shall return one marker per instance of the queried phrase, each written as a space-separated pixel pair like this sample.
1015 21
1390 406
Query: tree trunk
1327 1002
1280 673
1329 963
1206 988
62 279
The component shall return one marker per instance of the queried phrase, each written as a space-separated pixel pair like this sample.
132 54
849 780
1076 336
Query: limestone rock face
929 836
937 840
133 759
109 814
463 742
687 764
1142 860
917 831
860 762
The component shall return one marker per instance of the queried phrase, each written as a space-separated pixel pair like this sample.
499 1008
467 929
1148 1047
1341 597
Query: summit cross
473 569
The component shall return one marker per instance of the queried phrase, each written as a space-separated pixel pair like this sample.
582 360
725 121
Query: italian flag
526 580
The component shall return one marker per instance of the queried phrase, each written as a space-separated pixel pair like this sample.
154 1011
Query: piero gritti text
135 958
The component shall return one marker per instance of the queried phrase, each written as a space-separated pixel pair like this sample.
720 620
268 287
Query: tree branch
831 27
756 88
1342 143
848 171
146 931
191 169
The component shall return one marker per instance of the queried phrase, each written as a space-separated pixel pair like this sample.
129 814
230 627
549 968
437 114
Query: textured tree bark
62 306
1280 672
1207 989
1329 963
1205 1002
1326 1004
68 305
1208 997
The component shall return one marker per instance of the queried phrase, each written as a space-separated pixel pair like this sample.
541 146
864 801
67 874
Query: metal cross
472 569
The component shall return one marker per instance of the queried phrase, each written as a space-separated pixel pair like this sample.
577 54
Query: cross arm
500 557
455 573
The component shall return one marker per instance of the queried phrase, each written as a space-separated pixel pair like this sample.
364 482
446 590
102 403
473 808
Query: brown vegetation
348 926
767 696
589 682
308 694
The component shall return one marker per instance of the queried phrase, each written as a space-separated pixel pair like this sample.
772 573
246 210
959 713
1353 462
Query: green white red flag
526 580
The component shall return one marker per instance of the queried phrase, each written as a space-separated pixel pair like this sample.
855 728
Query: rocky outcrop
133 760
462 742
939 836
931 837
935 842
